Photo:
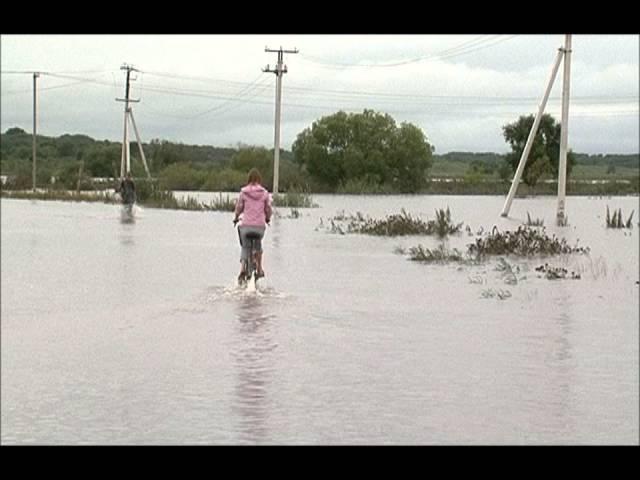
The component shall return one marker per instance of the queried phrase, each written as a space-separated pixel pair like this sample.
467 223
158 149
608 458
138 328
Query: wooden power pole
279 71
125 163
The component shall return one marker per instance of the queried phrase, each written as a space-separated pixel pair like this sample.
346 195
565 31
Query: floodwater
118 332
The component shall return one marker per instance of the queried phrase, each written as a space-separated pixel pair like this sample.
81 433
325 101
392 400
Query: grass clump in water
443 225
394 225
391 226
226 204
65 195
293 213
537 222
499 294
615 220
524 241
294 198
554 273
436 255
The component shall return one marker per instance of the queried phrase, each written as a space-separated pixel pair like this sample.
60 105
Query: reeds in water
537 222
499 294
554 273
226 204
508 271
395 224
615 220
524 241
436 255
295 199
48 194
443 224
293 213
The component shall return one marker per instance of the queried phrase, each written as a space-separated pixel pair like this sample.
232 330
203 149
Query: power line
293 90
241 97
394 64
336 97
465 47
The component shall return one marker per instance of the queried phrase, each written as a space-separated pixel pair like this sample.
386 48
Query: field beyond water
119 332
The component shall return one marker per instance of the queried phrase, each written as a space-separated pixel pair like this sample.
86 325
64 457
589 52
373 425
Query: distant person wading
128 190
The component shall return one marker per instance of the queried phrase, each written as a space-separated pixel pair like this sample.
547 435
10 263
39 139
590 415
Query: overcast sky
211 90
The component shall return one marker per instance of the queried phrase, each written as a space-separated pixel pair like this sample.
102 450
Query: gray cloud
460 89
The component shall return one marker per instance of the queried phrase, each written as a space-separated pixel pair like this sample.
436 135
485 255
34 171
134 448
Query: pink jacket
254 203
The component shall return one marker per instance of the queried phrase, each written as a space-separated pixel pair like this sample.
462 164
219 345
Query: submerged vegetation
615 220
553 273
537 222
225 204
150 194
524 241
65 195
394 225
500 294
294 198
508 272
439 254
293 213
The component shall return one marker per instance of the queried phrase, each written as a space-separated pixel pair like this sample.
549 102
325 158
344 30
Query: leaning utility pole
35 125
125 163
279 71
564 132
562 53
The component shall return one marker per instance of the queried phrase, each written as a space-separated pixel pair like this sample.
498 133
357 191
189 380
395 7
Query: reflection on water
126 234
128 213
253 361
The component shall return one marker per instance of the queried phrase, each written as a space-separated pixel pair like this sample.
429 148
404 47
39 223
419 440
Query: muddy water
120 332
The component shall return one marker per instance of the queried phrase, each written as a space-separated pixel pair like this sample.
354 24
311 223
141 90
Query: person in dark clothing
128 190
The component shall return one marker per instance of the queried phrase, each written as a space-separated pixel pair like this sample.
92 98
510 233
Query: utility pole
562 53
35 125
125 163
279 71
564 132
125 160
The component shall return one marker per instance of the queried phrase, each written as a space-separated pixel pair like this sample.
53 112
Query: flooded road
135 333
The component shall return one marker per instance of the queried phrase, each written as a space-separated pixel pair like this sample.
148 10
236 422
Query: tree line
343 152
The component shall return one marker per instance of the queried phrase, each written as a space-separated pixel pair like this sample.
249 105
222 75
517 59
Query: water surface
135 333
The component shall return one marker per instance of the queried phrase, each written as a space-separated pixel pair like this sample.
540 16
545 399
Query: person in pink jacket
254 204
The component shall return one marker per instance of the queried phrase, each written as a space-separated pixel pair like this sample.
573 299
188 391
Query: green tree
540 167
248 157
180 176
344 148
409 159
15 131
546 143
225 180
163 153
103 160
504 171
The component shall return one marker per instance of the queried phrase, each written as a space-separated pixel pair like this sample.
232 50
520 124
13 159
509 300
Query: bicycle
250 264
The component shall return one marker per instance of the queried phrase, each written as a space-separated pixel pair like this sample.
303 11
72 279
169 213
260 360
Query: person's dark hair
254 176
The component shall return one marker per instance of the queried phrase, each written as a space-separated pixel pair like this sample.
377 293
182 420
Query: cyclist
254 203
